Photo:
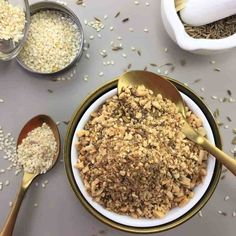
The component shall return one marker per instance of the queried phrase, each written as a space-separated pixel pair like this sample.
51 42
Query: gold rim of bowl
154 229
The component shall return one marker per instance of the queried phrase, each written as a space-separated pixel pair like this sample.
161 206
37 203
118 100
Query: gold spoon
162 86
35 122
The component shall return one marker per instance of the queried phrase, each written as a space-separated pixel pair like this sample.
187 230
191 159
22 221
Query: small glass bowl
8 48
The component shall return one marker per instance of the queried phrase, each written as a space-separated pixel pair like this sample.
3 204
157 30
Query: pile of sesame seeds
53 42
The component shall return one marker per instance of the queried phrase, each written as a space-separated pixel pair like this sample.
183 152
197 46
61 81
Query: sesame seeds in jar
53 42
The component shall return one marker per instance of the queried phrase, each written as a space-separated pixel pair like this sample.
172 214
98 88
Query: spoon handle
228 161
225 159
11 220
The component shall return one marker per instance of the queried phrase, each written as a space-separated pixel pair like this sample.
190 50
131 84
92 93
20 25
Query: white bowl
176 31
173 214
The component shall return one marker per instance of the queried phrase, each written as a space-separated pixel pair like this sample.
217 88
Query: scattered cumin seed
117 48
224 170
196 81
145 68
217 69
97 19
79 2
139 52
66 122
50 91
125 20
102 232
229 92
222 177
153 64
234 141
229 119
129 66
117 14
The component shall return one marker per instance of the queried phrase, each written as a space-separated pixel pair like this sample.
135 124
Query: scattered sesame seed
104 63
83 4
133 48
91 37
166 72
112 62
87 55
46 181
43 185
1 100
2 171
36 184
234 214
111 28
226 198
213 62
200 214
105 17
232 100
222 213
7 182
85 22
61 160
85 77
145 30
99 35
166 49
147 4
131 29
58 123
10 204
226 126
214 97
202 89
124 55
136 2
119 38
36 204
101 74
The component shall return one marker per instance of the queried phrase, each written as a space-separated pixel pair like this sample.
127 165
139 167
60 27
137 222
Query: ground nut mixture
133 157
52 43
12 21
37 150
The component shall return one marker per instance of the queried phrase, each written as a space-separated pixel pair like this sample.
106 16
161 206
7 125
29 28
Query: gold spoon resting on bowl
35 122
160 85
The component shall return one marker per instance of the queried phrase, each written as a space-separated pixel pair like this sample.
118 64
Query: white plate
127 220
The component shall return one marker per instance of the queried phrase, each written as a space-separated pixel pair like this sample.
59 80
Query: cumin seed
228 118
125 20
129 66
97 19
153 64
229 92
117 14
139 52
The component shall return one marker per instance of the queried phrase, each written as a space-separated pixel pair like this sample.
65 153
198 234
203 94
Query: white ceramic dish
126 220
176 31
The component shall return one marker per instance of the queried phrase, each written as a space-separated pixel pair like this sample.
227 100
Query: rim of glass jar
15 51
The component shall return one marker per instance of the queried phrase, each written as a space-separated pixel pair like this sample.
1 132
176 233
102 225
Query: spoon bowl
27 179
160 85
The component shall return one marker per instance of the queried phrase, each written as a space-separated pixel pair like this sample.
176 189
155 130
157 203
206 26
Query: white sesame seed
99 35
85 22
124 55
166 72
212 62
145 30
1 187
232 100
136 2
133 48
1 100
104 63
200 214
105 17
166 49
7 182
36 204
61 160
147 4
101 74
214 97
202 89
10 204
111 28
226 126
2 171
46 181
108 62
85 77
226 198
119 38
43 185
58 123
158 70
83 4
91 37
112 62
234 214
131 29
87 55
36 184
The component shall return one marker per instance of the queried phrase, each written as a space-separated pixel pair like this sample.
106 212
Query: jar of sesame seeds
14 26
54 41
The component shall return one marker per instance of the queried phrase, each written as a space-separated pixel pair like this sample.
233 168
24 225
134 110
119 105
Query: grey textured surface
25 95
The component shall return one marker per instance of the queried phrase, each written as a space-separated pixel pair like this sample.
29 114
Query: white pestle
202 12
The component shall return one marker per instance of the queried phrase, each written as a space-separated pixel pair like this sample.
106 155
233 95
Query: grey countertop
25 95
